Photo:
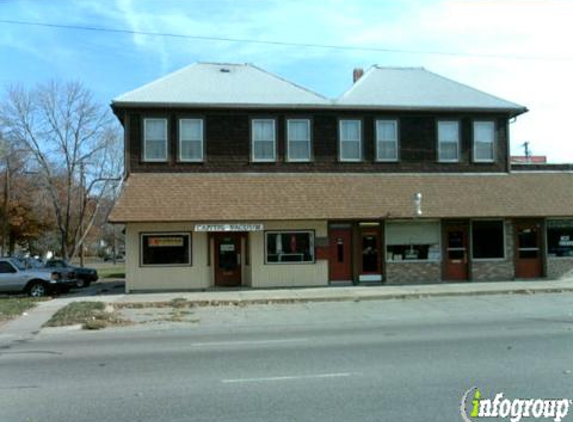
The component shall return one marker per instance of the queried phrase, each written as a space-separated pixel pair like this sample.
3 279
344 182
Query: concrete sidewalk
27 326
321 294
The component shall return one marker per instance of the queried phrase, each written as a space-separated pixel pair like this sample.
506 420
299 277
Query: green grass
13 307
91 315
117 271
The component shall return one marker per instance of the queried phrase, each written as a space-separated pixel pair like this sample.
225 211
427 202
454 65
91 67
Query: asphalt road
370 361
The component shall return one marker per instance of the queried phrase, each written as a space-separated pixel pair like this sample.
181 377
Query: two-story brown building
237 177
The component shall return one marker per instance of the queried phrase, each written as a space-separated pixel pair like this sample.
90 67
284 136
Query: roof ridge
400 67
223 63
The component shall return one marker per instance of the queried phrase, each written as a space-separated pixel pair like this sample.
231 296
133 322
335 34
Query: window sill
414 261
291 263
163 265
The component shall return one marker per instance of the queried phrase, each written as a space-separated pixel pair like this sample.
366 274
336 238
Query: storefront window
560 238
413 241
292 246
165 249
487 240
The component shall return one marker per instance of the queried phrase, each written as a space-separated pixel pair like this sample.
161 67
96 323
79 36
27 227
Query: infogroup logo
512 409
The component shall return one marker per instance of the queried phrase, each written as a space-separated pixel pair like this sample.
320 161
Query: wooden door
528 257
456 253
227 259
340 254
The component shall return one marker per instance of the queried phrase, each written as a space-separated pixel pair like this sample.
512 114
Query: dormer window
350 140
448 141
484 141
155 140
263 137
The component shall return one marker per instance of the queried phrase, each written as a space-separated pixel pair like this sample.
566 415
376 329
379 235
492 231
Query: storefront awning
242 197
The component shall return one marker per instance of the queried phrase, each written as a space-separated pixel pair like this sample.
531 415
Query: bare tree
75 145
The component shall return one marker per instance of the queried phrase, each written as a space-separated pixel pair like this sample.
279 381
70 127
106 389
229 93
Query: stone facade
559 267
497 269
413 272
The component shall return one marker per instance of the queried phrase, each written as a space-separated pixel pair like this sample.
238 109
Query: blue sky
110 63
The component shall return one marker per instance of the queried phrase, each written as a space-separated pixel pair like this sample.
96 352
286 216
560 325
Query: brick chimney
357 74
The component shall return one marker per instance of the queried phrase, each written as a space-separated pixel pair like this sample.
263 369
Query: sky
520 51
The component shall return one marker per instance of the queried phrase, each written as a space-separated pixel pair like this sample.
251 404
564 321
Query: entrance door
340 268
456 253
528 250
370 262
228 259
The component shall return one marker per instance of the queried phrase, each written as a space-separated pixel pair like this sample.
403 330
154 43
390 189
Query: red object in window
293 243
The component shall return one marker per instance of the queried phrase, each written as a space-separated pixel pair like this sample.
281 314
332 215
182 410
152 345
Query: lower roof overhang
227 197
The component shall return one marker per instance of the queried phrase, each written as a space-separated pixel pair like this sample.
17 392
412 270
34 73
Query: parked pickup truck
84 276
15 278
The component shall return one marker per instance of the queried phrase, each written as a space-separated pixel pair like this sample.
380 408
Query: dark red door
340 264
456 253
528 250
228 259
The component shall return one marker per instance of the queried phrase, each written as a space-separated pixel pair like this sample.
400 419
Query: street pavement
390 360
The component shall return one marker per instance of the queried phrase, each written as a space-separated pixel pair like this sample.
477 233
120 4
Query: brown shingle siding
228 143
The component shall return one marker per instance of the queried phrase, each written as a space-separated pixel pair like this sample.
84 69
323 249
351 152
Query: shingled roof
165 197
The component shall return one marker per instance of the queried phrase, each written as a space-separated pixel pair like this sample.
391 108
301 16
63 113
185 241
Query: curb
350 298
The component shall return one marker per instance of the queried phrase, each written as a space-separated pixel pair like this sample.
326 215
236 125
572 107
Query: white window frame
359 140
311 246
181 140
189 249
440 159
471 239
378 140
493 141
309 141
263 160
155 160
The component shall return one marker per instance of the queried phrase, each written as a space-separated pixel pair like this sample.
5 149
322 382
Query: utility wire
282 43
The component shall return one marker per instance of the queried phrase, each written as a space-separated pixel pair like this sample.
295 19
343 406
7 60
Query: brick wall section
497 269
559 267
227 141
413 272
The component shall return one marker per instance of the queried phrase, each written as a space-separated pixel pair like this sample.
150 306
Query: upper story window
448 141
191 140
298 140
350 145
484 141
263 136
155 139
386 140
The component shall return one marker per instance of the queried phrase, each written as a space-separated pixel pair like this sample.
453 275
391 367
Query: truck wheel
81 283
37 289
